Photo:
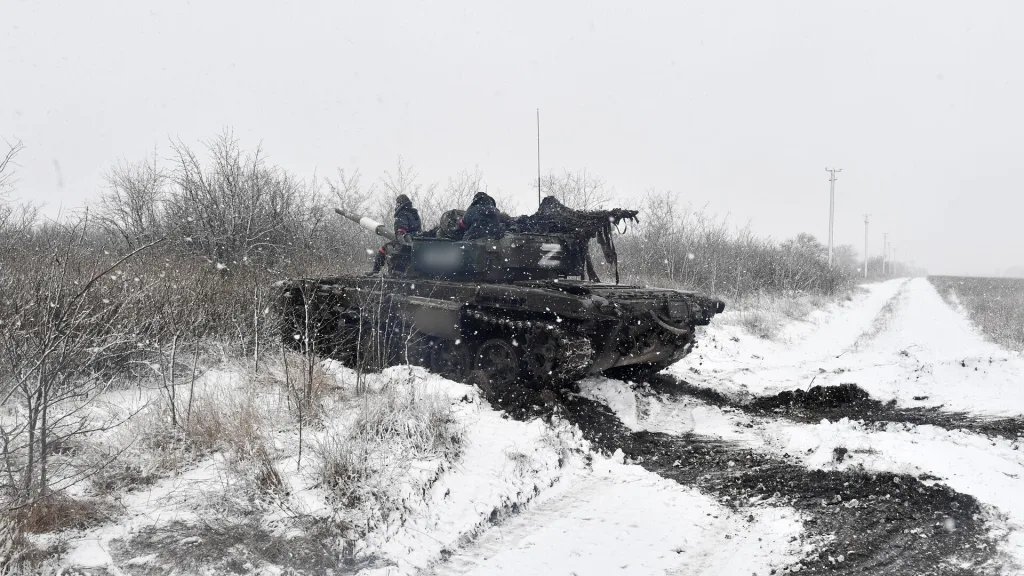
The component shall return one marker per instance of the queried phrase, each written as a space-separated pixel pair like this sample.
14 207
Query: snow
898 340
506 462
532 490
989 468
892 317
623 518
173 499
576 517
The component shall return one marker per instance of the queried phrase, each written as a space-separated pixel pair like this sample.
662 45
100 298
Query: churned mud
867 523
837 402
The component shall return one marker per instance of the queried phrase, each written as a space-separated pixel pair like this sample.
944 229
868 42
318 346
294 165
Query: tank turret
553 243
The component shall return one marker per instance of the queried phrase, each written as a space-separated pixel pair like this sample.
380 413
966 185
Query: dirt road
880 436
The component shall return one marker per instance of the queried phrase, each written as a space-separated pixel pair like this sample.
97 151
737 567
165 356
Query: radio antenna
538 158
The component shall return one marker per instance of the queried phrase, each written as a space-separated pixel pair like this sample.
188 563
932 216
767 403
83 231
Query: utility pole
831 209
866 245
885 251
893 258
538 158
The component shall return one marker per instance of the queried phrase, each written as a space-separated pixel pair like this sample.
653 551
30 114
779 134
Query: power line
831 209
866 245
885 251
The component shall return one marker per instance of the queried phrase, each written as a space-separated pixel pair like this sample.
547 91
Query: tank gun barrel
368 223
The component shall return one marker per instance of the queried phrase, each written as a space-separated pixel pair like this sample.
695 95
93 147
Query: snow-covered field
551 494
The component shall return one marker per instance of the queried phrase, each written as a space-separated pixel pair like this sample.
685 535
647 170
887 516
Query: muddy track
837 402
869 523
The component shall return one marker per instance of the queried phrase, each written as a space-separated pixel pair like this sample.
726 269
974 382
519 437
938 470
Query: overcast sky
736 105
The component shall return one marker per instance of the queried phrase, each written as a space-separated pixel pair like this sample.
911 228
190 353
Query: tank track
549 353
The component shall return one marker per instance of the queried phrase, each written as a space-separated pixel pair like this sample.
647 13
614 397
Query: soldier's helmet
482 198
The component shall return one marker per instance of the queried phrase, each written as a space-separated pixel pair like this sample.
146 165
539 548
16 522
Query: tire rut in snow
837 402
878 523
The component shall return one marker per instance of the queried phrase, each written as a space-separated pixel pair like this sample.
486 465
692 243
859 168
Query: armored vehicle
511 311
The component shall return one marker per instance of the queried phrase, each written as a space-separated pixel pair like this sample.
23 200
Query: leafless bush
306 384
238 209
65 339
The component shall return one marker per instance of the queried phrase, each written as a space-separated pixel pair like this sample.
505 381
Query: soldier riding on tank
407 221
482 218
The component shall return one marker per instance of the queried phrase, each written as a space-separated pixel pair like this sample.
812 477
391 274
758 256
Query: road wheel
450 360
541 355
497 361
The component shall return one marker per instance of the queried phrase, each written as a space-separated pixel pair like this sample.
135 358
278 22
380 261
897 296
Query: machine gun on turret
553 217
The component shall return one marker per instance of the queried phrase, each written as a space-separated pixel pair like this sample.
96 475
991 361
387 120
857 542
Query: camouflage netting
553 217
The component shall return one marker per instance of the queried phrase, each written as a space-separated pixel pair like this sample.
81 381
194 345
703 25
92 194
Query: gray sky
736 105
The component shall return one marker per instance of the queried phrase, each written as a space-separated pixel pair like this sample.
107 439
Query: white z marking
549 259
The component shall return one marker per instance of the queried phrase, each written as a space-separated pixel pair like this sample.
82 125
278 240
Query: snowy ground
901 342
621 518
554 495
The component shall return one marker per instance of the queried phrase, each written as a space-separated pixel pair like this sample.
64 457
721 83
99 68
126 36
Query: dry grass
18 555
394 427
994 305
235 547
237 421
764 315
58 512
53 514
307 387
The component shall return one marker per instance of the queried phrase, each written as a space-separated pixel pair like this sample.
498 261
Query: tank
521 310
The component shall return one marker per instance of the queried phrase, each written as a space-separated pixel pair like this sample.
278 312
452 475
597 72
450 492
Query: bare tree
580 191
350 242
238 209
130 205
402 180
64 341
7 165
457 193
679 246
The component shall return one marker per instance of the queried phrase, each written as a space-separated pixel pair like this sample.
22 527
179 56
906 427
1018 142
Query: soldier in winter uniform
407 221
482 219
407 218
